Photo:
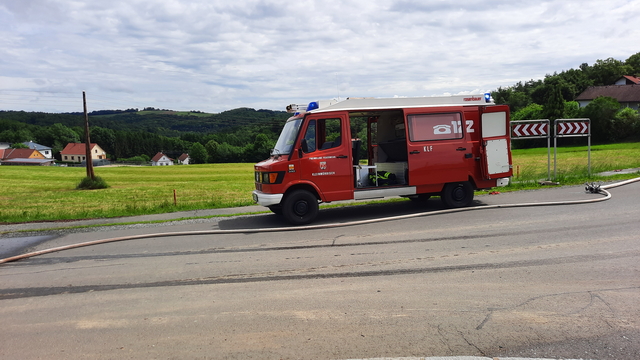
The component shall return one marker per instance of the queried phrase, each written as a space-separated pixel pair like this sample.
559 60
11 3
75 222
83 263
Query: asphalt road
550 282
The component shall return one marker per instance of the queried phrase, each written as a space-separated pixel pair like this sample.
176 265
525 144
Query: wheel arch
303 186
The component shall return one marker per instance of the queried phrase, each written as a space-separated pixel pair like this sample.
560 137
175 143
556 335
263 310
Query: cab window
332 133
322 134
309 140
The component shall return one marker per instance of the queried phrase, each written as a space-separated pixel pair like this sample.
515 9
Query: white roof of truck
356 104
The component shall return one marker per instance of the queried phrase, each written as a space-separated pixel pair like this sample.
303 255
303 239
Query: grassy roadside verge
49 194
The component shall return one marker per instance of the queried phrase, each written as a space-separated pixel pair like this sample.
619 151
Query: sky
218 55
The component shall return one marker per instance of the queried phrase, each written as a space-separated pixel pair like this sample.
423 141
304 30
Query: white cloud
217 55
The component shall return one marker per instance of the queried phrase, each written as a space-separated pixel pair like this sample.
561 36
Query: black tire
276 209
456 195
300 207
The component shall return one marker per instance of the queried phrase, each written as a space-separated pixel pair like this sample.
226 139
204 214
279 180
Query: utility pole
89 160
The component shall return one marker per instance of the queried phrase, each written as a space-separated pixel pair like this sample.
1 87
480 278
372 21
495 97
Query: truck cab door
326 157
496 143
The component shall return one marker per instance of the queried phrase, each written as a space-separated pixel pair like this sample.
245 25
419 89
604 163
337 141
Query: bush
90 184
625 123
530 112
602 111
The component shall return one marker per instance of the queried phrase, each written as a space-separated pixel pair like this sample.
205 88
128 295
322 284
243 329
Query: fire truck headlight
270 177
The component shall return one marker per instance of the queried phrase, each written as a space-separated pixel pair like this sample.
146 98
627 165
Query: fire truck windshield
287 137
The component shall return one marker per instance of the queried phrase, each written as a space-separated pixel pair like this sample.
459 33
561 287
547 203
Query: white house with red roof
77 152
628 80
161 160
184 159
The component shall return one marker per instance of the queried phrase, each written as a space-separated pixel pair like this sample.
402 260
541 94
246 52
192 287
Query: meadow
45 193
530 165
49 192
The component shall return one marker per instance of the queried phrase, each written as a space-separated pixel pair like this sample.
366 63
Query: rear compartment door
437 146
496 142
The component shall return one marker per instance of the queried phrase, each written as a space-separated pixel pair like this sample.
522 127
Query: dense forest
247 135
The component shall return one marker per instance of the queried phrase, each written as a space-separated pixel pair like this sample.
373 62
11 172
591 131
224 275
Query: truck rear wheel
458 194
300 207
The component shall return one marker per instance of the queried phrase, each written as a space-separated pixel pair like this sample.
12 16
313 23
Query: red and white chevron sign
524 130
568 128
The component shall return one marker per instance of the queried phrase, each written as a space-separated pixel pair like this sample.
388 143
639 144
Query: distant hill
163 122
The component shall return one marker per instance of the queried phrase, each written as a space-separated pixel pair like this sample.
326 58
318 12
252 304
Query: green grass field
33 193
48 193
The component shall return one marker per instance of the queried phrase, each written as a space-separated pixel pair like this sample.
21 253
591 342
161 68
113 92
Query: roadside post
533 129
572 128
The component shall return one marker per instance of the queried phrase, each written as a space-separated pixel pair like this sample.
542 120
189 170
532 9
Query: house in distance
44 150
626 91
161 160
184 159
77 153
23 157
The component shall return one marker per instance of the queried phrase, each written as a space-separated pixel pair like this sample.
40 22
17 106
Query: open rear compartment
379 149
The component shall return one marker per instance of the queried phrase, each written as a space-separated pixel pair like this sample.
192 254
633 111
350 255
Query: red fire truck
415 147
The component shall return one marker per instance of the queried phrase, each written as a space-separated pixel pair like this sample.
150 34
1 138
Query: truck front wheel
458 194
300 207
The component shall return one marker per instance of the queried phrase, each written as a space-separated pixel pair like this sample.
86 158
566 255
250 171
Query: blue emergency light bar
487 97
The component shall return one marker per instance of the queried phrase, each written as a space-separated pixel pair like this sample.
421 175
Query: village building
628 80
23 157
626 92
184 159
161 159
77 153
44 150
